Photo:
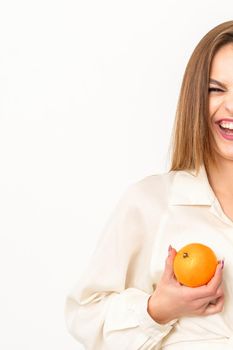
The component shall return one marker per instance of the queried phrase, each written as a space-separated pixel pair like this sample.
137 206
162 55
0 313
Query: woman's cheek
214 104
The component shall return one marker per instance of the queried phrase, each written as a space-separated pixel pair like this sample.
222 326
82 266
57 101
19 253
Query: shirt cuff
139 306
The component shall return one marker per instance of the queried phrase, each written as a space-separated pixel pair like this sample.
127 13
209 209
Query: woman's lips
224 133
224 120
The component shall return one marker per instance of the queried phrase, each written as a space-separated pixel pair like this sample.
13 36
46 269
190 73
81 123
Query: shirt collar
189 188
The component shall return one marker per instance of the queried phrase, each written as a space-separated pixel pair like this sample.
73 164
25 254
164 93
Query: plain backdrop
88 97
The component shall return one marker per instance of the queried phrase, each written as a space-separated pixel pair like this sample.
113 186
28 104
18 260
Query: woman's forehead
222 65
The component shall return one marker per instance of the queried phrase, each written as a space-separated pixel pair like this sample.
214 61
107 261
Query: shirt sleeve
107 309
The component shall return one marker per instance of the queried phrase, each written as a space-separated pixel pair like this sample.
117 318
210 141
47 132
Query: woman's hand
172 300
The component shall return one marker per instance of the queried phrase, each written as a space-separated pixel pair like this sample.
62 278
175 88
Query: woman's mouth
224 129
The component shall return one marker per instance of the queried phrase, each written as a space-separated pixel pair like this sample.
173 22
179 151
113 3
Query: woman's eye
214 90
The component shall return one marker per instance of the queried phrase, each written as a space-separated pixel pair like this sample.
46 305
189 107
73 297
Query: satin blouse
107 308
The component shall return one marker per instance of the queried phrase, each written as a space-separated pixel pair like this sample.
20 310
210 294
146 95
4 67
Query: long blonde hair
191 136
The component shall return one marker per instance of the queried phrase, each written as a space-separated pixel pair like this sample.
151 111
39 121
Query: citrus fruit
195 264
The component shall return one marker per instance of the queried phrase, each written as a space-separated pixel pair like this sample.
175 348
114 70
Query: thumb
168 271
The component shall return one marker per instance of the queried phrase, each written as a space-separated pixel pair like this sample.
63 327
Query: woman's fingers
214 308
202 303
168 273
212 299
208 299
209 290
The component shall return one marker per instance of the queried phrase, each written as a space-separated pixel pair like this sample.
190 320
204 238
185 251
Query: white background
88 92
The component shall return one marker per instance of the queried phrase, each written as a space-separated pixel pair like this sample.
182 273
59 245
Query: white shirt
107 309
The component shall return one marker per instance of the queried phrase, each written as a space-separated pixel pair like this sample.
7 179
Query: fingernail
222 263
169 249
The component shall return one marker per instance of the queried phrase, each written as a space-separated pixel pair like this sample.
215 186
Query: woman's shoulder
155 182
156 179
173 186
154 188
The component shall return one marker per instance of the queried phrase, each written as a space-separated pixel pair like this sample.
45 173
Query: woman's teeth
224 125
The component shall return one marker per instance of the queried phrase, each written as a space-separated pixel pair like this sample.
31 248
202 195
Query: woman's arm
108 307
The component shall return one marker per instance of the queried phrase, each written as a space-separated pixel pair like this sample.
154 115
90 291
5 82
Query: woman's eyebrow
213 81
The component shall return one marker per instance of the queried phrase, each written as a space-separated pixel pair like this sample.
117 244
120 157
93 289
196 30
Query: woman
129 299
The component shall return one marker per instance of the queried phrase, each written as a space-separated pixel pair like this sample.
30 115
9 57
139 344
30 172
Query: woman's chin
225 153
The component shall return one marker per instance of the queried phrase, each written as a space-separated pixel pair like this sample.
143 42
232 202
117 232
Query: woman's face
221 101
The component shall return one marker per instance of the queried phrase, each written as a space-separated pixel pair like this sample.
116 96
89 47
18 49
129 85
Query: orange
195 264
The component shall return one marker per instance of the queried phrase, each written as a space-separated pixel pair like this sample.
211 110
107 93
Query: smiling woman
129 297
193 132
